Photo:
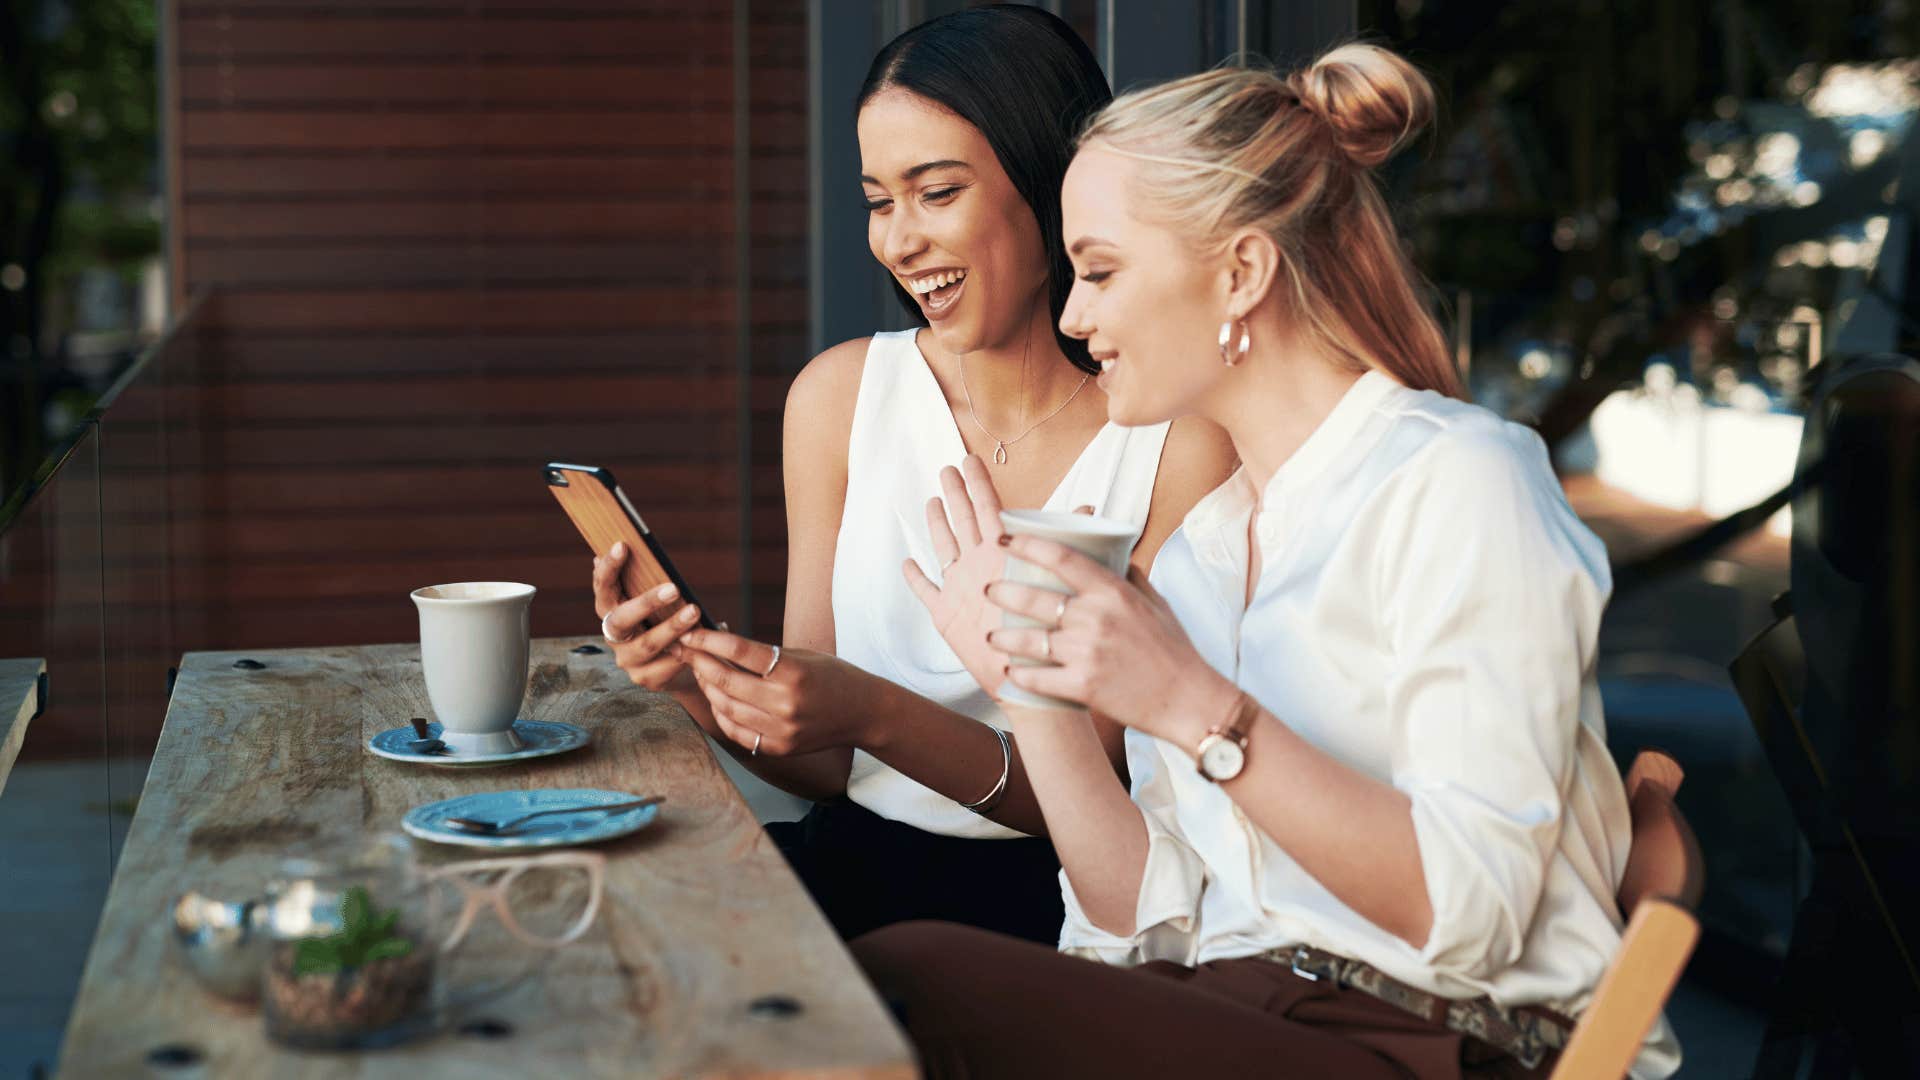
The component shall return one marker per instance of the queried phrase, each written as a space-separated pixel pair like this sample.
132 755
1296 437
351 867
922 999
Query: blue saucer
428 822
538 738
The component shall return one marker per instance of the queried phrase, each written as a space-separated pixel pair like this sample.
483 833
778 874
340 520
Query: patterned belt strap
1527 1035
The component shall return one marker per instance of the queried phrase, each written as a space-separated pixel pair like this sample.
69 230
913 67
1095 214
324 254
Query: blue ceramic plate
540 738
555 830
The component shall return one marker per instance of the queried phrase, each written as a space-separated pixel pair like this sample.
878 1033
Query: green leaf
391 948
353 912
383 926
314 956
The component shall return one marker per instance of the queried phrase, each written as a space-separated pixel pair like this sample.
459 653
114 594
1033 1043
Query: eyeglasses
544 900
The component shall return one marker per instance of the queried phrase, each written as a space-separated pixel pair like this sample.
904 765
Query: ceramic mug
474 646
1104 540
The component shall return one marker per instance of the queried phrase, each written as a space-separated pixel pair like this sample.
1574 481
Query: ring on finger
1046 646
608 634
776 663
757 736
1060 611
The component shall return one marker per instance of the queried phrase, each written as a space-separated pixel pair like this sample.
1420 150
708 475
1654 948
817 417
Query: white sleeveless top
903 434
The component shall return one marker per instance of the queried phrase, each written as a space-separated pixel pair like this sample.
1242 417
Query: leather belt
1529 1033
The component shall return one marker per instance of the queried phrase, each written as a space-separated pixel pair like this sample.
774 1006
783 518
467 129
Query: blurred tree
1565 137
78 114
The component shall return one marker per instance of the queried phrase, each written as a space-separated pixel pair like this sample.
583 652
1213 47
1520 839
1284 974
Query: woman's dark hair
1027 82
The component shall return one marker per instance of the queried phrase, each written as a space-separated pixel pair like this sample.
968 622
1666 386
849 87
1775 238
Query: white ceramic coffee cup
1104 540
474 646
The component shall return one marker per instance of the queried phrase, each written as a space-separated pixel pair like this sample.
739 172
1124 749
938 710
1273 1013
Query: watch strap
1238 724
1236 728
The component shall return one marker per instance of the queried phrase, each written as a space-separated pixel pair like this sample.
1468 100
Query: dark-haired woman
966 127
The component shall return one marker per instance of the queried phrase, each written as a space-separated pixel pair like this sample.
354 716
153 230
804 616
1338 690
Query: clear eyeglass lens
549 901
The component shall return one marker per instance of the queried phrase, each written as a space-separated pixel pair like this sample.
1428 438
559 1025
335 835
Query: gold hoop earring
1239 353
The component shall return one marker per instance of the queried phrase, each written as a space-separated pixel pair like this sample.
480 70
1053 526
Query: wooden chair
1661 885
1849 919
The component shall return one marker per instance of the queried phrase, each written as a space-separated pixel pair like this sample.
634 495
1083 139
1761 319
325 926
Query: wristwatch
1223 752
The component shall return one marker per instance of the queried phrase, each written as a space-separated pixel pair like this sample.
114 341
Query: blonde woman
1373 828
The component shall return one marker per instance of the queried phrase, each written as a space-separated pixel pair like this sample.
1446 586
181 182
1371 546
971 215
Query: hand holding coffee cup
1116 647
1103 540
475 642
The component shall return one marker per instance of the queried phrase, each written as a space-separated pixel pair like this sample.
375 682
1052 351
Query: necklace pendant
999 453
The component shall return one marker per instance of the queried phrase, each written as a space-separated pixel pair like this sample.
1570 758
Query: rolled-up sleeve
1492 593
1166 916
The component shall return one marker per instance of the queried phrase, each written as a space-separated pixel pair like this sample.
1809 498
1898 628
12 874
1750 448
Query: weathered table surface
19 703
702 915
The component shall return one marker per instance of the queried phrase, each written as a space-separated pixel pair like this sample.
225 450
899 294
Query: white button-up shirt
1426 613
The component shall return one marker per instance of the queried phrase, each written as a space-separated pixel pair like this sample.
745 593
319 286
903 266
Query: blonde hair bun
1373 101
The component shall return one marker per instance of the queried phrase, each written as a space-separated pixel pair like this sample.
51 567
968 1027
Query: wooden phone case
589 496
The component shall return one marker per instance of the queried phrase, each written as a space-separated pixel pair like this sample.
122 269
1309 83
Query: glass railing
56 809
87 585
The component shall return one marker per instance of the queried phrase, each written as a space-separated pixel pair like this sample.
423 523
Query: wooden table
702 915
23 693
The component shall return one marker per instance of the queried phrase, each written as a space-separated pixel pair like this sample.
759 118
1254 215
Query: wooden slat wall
446 241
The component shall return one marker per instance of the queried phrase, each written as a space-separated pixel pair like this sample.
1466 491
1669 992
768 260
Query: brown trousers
978 1005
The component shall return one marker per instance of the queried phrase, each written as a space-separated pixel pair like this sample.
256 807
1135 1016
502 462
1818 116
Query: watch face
1223 759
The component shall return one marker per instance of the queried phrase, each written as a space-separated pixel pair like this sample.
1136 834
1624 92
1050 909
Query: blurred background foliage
1621 183
80 221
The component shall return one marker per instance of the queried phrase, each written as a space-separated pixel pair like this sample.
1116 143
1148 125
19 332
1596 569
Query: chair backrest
1653 952
1662 882
1771 675
1856 600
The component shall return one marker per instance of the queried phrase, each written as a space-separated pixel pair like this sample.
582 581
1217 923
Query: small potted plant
348 976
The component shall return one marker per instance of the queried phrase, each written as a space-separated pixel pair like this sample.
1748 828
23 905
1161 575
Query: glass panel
149 534
56 810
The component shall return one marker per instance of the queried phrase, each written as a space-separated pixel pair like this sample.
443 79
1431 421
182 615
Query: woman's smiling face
1148 306
947 223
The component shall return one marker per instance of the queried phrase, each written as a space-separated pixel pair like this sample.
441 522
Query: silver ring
757 736
1046 646
608 634
1060 612
776 663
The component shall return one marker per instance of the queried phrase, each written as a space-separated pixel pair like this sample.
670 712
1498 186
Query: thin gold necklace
999 444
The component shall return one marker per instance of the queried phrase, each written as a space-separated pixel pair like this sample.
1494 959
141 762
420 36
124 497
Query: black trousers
867 872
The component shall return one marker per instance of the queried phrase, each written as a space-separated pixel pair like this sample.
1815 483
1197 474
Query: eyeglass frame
477 894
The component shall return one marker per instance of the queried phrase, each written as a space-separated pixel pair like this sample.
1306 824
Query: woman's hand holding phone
650 655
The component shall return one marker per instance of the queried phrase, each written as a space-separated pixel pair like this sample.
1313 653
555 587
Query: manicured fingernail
665 592
1006 539
990 640
987 590
1006 671
619 549
688 614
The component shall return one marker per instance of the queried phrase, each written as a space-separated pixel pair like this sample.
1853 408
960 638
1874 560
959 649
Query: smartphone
604 516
